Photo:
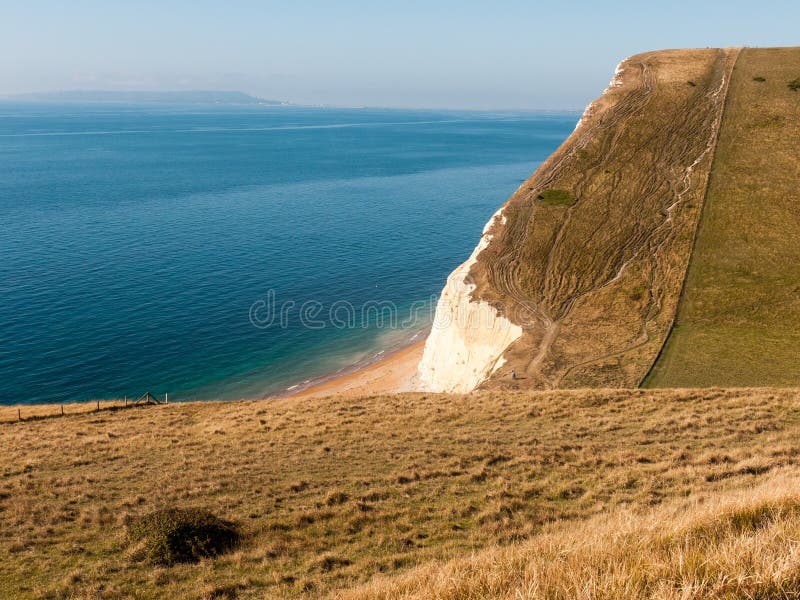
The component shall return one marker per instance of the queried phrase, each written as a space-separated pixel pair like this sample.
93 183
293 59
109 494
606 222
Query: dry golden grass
737 323
734 545
27 412
330 493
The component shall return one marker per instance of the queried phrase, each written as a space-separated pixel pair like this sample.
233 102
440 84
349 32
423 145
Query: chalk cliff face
468 338
576 279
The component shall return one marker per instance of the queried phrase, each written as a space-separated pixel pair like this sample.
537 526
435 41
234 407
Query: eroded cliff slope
585 265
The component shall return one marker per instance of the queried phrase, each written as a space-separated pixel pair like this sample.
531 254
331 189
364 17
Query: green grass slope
738 322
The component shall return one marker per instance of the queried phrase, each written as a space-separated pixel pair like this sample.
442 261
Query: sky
501 54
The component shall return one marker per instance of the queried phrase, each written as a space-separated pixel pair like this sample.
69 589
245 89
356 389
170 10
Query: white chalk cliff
468 338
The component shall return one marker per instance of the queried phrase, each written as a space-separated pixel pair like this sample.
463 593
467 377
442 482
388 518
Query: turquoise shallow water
149 248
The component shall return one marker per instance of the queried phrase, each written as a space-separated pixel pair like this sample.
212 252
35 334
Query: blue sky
468 54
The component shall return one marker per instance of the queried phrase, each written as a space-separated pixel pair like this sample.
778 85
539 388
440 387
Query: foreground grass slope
731 545
330 493
739 320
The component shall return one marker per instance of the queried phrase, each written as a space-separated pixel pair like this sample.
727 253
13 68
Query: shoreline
392 373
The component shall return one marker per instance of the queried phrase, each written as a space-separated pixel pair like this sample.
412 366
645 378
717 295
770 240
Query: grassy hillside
731 545
330 493
739 320
595 245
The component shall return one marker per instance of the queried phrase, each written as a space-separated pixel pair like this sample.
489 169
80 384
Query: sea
221 252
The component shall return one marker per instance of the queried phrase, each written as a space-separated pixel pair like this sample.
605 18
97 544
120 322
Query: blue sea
235 252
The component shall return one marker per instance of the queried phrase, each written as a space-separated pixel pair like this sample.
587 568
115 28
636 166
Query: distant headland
137 97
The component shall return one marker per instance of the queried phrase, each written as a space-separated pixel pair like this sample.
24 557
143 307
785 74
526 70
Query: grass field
737 323
331 493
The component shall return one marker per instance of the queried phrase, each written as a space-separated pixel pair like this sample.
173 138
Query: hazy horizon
457 55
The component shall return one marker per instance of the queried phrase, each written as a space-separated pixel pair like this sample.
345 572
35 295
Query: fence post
98 405
166 398
19 414
62 410
126 401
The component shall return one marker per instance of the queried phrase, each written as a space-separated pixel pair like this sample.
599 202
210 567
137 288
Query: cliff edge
576 279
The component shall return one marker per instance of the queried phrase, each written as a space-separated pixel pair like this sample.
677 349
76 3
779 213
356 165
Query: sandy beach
394 373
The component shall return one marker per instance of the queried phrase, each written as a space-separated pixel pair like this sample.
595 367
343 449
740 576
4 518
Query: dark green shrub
556 197
177 535
759 79
794 85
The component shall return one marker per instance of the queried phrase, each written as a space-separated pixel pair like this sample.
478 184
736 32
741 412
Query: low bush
179 535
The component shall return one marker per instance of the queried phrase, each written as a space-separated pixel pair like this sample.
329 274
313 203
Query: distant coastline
146 97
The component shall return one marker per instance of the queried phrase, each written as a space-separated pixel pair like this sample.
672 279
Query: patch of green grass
637 293
556 198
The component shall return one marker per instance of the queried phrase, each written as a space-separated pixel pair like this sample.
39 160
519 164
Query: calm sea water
148 248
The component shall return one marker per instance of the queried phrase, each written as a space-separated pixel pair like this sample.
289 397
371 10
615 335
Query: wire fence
31 412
